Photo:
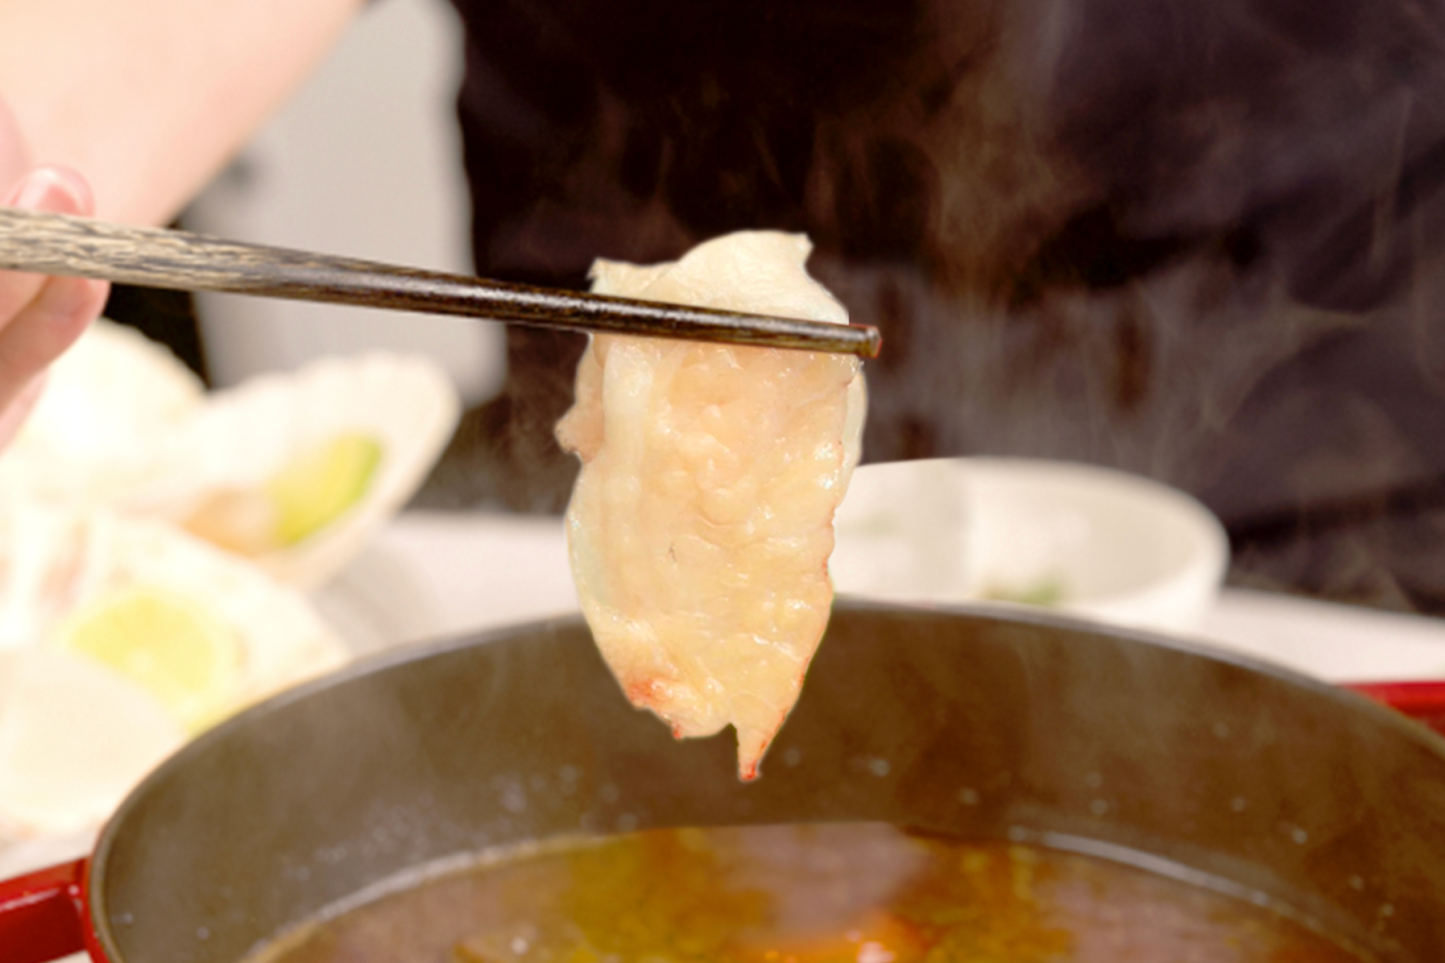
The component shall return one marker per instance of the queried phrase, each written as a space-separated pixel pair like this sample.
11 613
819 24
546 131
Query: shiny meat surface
701 524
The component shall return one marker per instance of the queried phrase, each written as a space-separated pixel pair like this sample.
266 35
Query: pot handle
42 914
1422 701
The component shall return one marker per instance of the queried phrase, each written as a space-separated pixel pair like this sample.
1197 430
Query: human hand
39 316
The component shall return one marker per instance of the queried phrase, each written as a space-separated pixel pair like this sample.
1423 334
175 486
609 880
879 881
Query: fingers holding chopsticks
41 316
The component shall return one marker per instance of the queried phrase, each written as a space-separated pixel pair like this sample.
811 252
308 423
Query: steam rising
1198 241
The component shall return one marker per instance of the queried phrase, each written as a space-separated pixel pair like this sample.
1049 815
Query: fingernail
44 188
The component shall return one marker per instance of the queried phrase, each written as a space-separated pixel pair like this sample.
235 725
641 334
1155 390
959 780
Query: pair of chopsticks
81 247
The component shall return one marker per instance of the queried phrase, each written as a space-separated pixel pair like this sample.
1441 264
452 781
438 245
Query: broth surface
833 893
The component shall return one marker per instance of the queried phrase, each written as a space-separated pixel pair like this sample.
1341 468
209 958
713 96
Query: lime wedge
318 485
175 648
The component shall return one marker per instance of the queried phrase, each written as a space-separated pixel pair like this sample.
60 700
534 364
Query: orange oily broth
835 893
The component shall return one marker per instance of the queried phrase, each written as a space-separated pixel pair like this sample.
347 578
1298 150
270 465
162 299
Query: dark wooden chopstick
81 247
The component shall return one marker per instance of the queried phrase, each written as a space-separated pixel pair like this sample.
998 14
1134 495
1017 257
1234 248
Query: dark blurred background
1200 242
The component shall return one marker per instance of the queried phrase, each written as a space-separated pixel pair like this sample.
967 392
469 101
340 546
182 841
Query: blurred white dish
118 638
235 444
340 445
90 438
1080 539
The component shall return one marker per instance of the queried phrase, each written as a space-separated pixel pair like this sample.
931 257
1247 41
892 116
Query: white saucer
1084 540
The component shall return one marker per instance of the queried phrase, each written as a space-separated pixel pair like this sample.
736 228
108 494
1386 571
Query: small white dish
124 425
243 435
1084 540
78 730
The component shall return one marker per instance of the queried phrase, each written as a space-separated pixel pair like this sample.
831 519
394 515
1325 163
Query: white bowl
1088 541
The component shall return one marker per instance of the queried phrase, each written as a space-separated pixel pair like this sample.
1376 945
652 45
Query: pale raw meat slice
701 524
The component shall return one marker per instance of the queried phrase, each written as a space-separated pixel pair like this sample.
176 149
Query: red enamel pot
1027 726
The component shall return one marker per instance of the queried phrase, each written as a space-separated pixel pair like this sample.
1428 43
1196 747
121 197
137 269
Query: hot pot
1024 726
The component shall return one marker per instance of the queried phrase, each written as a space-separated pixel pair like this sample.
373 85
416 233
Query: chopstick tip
872 343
